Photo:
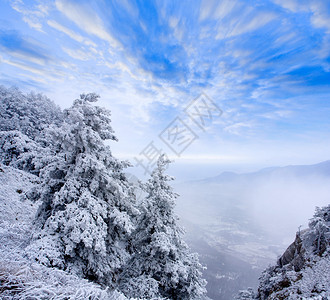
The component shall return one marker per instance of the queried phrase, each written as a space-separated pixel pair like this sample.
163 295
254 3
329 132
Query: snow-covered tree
161 264
320 226
247 294
18 150
87 204
302 272
22 120
29 114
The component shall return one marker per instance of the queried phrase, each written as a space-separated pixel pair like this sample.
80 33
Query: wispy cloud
74 35
23 66
320 11
236 128
31 15
86 19
13 43
78 54
245 24
261 63
217 10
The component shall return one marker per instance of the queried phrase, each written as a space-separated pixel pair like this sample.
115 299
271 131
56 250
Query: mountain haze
252 217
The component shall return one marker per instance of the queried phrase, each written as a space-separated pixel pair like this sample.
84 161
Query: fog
240 223
280 205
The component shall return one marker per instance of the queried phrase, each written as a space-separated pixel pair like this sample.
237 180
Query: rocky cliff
303 271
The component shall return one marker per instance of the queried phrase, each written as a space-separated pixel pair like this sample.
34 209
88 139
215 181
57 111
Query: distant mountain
320 169
240 223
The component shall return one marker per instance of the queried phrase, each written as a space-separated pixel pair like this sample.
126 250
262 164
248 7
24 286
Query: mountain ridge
321 168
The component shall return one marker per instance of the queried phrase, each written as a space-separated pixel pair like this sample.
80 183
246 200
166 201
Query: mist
281 205
248 219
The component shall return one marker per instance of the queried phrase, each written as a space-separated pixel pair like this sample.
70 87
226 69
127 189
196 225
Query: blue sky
266 64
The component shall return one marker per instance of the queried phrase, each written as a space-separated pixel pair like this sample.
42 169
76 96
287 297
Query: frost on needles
23 119
88 222
161 262
87 210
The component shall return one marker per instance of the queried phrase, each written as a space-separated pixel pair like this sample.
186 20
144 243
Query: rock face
303 271
293 255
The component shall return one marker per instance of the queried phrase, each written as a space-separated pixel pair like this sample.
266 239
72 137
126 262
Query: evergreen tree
29 114
87 204
161 264
320 226
23 119
19 151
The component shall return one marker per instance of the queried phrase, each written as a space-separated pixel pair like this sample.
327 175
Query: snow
16 212
75 221
316 277
21 278
68 212
161 263
87 204
303 271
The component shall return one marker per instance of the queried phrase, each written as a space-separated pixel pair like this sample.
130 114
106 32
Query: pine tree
87 204
320 226
29 114
19 151
23 119
161 264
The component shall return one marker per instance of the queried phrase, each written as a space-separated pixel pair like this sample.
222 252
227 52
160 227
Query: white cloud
238 128
23 66
33 24
75 36
277 114
39 79
292 5
143 26
245 24
28 55
285 39
217 9
321 16
239 53
323 53
77 54
320 13
201 158
31 16
130 8
86 19
28 58
122 67
43 8
225 8
173 21
206 9
177 26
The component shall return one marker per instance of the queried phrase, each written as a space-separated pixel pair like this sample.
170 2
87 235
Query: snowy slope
312 282
16 211
23 279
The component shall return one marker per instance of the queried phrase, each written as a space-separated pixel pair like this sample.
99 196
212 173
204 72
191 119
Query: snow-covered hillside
21 278
70 224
